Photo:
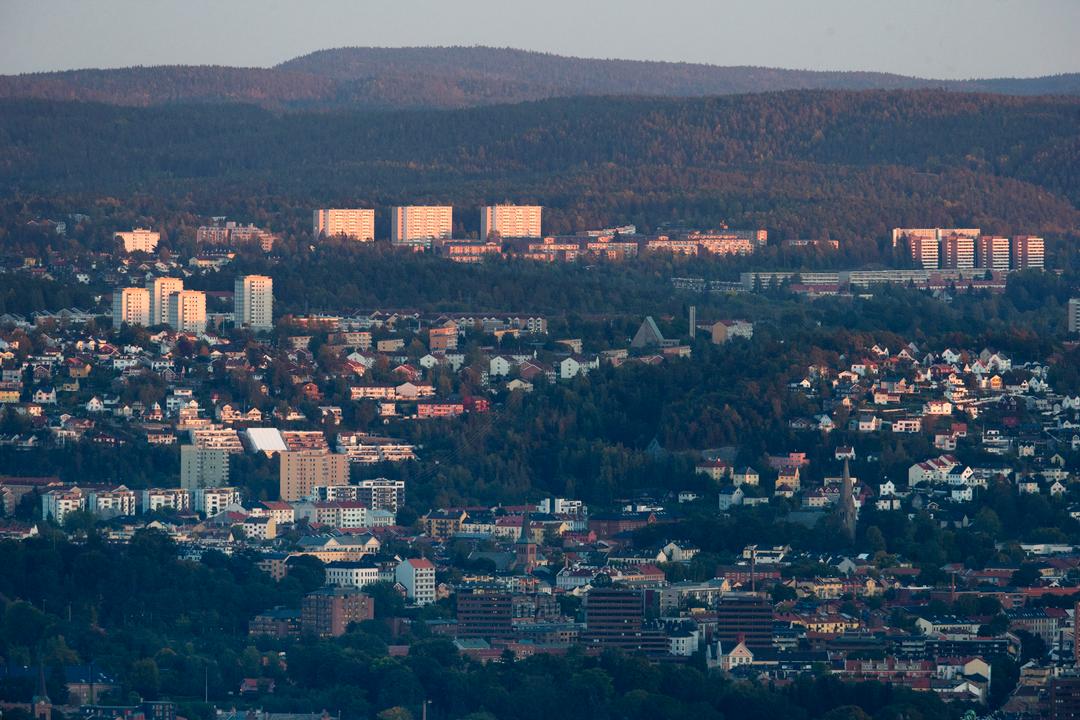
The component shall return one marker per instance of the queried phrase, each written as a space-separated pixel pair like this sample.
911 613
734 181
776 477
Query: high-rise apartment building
1028 251
899 234
510 221
187 311
302 470
957 252
203 467
1074 315
131 306
924 251
160 290
355 223
417 576
139 240
382 493
993 252
253 302
420 224
329 611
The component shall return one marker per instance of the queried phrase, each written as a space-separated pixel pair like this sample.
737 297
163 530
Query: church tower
525 548
42 706
848 513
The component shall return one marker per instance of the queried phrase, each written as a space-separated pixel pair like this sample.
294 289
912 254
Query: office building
1028 252
1064 701
187 311
203 467
160 290
993 253
131 306
484 612
417 576
615 618
420 224
303 470
957 252
353 223
746 615
1074 315
329 611
253 302
382 493
510 221
139 240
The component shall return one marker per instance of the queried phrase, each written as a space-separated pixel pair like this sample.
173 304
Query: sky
947 39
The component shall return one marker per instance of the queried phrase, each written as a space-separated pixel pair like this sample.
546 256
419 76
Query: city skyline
835 35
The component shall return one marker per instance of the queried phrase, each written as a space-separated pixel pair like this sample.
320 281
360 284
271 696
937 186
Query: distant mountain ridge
458 77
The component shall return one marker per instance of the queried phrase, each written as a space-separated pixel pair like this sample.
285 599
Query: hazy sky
929 38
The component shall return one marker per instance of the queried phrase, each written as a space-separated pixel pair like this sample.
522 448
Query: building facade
510 221
420 224
253 302
161 289
353 223
328 612
131 306
139 240
303 470
187 311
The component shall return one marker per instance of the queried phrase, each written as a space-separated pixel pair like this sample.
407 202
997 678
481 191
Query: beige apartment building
139 240
131 306
510 221
187 311
420 224
160 290
203 467
253 302
355 223
302 470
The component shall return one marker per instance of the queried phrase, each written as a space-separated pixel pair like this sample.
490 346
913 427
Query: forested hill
456 77
804 163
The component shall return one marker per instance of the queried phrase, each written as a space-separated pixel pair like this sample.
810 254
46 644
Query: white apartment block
155 499
131 306
161 289
114 502
417 576
351 574
187 311
419 224
382 493
1074 315
303 470
56 504
355 223
211 501
510 221
253 302
139 240
203 467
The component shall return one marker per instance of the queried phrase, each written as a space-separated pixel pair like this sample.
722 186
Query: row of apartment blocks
164 301
119 500
419 225
220 233
966 248
611 244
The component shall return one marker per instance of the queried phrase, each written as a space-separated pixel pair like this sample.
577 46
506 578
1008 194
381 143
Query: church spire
848 513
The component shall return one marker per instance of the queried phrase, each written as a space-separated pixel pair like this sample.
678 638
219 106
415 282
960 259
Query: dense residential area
771 487
476 383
